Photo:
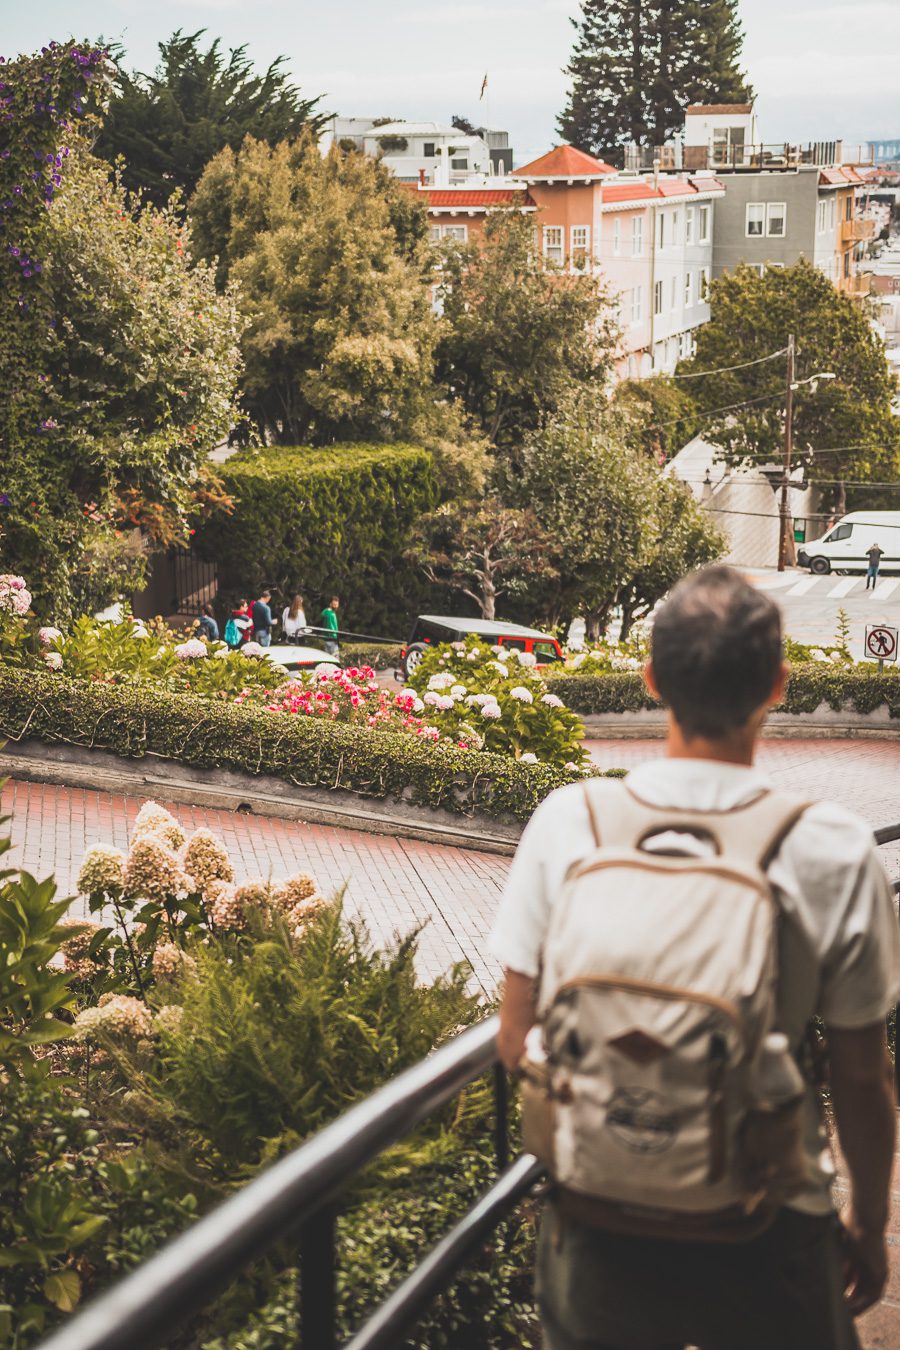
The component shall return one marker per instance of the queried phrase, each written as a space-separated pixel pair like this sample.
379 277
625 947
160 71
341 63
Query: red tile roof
720 109
564 161
842 175
642 189
471 198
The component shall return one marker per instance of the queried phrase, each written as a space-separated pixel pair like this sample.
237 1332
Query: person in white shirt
293 620
717 664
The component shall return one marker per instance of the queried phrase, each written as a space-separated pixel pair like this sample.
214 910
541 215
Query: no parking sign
881 642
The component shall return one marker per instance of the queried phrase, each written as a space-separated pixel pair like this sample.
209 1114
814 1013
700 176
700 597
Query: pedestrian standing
679 1212
261 615
293 620
874 555
238 626
207 626
330 624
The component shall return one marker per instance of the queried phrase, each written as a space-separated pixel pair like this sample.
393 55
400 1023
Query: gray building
774 217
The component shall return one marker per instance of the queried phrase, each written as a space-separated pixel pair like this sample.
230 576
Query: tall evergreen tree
637 64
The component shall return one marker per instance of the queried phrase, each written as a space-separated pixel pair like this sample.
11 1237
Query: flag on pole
484 86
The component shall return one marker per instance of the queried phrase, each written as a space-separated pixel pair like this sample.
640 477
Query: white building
428 152
719 135
743 502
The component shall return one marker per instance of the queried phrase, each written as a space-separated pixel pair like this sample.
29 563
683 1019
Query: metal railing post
501 1117
318 1289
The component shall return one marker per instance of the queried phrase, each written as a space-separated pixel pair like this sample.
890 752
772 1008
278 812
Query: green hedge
140 721
380 656
320 522
808 687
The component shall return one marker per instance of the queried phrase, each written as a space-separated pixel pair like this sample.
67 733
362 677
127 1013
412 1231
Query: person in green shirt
330 622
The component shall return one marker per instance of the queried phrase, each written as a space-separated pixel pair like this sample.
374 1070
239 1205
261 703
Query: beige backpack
651 1094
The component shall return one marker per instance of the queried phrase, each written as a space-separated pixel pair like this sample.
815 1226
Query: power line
723 370
714 412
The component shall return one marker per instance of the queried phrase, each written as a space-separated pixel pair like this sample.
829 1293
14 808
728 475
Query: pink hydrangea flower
48 635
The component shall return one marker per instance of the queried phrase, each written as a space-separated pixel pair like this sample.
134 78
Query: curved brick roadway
396 884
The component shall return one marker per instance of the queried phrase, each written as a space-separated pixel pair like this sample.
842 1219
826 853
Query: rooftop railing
297 1196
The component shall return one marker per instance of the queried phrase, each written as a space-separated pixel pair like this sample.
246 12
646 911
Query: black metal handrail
298 1194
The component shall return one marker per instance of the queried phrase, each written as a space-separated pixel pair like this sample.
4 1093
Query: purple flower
14 251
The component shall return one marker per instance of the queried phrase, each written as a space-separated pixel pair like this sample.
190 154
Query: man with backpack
668 943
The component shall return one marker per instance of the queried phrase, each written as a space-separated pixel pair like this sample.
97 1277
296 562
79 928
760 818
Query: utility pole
788 447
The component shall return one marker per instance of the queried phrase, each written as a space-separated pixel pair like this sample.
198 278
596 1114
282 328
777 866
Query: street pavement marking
772 583
885 588
806 584
844 587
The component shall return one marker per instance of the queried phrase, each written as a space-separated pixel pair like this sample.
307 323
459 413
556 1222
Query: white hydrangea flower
521 694
458 691
473 655
444 703
252 649
492 711
53 660
48 634
442 680
579 660
528 659
499 667
528 758
432 698
190 650
478 700
551 700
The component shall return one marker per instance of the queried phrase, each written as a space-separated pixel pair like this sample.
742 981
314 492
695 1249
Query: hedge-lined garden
140 720
857 689
323 522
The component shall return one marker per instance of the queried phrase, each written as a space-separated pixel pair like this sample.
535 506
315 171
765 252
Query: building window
637 236
848 210
703 288
458 232
688 289
685 346
847 256
756 219
581 242
776 218
434 233
553 244
660 229
705 213
632 368
637 304
689 225
459 164
428 149
832 213
658 298
821 217
674 293
673 227
617 236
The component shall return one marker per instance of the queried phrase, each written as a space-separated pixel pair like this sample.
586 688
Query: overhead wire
724 370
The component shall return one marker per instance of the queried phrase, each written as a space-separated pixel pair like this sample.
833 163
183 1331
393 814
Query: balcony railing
733 157
298 1196
860 285
855 231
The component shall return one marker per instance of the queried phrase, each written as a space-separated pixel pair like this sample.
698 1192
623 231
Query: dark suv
430 630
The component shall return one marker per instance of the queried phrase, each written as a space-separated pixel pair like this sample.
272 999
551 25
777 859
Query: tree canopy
168 125
517 334
844 429
637 64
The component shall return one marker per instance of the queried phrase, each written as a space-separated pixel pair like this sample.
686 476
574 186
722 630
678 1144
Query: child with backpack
668 942
238 627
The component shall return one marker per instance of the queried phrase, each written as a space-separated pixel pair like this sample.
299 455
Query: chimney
421 178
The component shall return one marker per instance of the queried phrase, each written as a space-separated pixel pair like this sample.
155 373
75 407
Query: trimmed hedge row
808 688
378 655
135 722
324 522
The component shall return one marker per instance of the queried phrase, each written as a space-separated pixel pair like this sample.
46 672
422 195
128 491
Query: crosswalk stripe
806 584
885 588
772 583
843 587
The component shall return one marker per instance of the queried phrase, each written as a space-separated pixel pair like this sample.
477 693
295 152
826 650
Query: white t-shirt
292 627
840 945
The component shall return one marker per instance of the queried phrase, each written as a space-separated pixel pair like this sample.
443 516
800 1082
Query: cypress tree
637 64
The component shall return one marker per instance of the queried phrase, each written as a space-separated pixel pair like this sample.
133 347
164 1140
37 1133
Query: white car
295 658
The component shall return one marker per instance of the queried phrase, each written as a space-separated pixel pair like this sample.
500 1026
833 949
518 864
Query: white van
844 547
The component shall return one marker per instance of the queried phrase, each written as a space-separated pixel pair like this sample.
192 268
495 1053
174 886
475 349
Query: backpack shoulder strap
751 833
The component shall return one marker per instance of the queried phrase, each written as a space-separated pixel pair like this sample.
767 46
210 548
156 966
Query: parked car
430 630
299 658
844 547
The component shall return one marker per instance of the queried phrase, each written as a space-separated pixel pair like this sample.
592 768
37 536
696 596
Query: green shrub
378 655
138 721
324 522
858 688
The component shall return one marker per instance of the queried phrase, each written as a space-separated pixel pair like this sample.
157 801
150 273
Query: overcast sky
821 70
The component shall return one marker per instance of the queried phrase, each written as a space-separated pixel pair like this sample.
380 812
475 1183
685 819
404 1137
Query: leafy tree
118 360
482 550
463 124
662 416
843 428
680 537
517 334
339 332
589 490
170 124
637 64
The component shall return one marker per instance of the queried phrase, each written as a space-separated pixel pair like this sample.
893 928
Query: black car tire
821 566
414 653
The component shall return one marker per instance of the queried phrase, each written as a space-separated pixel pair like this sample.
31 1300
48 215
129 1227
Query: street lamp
792 384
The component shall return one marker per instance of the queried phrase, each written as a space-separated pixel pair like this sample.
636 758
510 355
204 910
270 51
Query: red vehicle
430 630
